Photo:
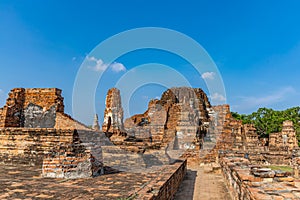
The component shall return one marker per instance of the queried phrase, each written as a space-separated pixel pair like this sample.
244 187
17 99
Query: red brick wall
19 98
28 145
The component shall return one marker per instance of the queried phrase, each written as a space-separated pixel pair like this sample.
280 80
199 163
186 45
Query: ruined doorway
108 124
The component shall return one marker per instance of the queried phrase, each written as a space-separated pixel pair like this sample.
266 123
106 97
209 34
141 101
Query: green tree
268 121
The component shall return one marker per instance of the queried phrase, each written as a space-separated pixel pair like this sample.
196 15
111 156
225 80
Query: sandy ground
202 183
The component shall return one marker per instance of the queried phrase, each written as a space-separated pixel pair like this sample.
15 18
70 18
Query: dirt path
202 183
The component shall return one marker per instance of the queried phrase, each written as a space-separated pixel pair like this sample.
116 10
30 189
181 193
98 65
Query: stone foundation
246 181
61 152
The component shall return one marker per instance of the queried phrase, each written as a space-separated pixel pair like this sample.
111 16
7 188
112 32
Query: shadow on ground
187 187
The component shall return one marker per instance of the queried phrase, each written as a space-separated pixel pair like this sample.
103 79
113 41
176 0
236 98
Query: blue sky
255 44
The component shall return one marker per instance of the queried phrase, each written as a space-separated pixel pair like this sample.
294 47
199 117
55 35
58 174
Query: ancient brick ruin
220 137
113 114
34 130
36 108
284 140
32 108
244 158
180 113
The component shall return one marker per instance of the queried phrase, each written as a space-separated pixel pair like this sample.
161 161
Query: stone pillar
113 114
96 126
289 135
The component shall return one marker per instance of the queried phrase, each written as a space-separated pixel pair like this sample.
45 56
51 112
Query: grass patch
282 168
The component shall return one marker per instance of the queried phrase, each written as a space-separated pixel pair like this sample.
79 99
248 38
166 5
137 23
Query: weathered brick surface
122 185
80 159
251 182
285 140
113 114
165 186
36 108
71 161
14 113
180 114
29 145
181 119
64 121
64 153
226 133
44 97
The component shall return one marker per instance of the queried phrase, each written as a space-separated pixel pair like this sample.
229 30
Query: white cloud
98 65
217 97
264 101
117 67
208 75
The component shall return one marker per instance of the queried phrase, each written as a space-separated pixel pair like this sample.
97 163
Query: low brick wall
235 183
262 157
61 153
165 185
29 145
246 181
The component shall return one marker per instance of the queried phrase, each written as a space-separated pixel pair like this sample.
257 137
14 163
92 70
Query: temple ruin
36 131
113 114
182 124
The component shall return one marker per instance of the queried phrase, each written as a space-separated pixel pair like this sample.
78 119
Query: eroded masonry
35 131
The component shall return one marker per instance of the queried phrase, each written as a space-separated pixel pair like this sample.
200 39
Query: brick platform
23 182
252 182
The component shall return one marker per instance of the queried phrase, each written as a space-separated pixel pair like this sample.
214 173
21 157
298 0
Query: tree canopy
268 121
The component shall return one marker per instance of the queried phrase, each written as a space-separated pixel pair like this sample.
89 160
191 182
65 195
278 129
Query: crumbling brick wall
71 161
62 153
284 140
226 133
29 145
12 115
44 97
37 108
34 129
180 111
32 108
